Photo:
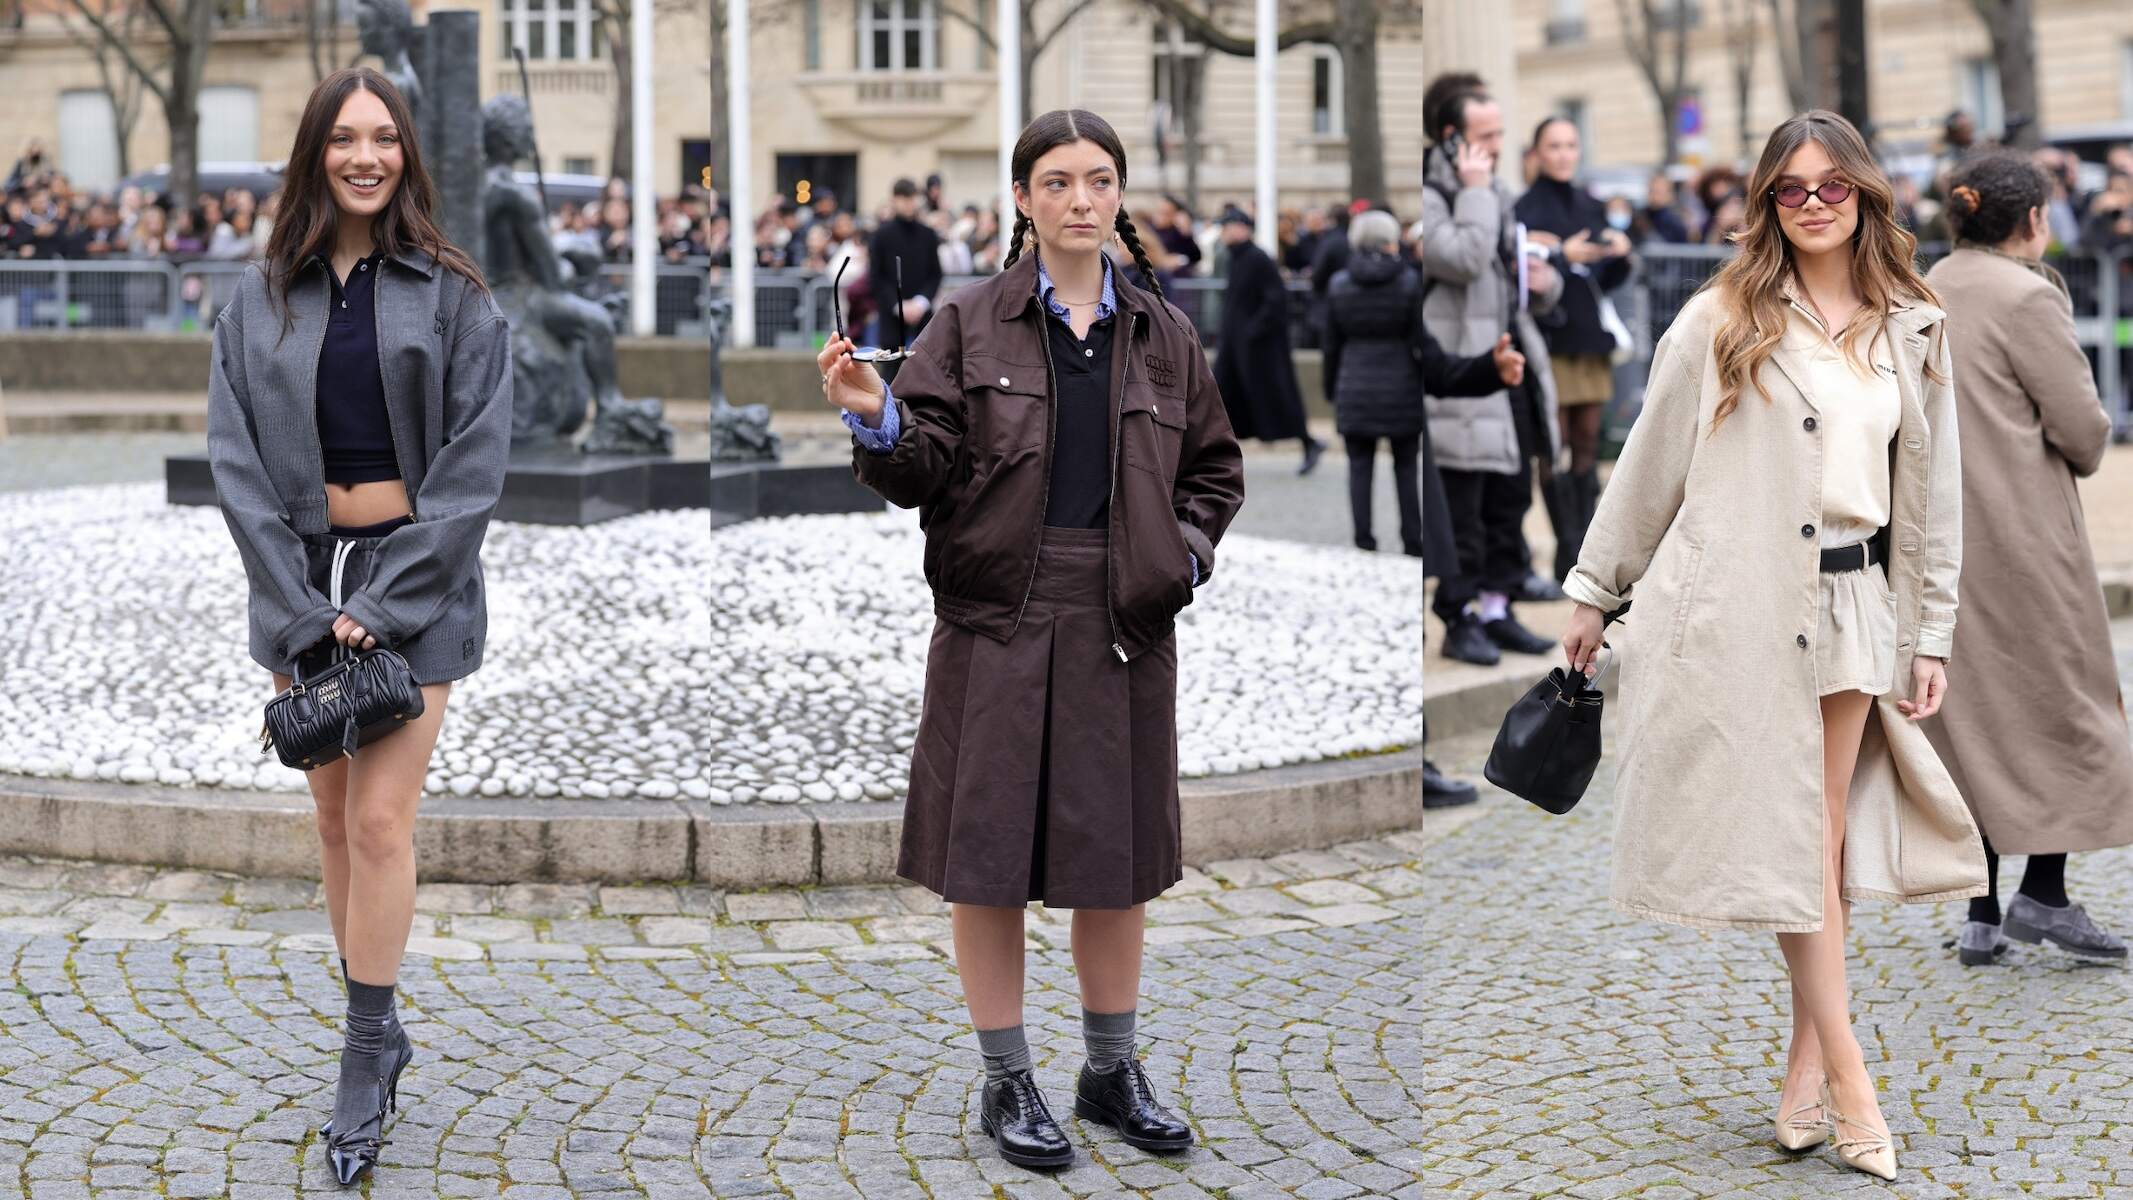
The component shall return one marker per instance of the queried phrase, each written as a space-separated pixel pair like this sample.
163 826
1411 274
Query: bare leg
384 787
988 957
1107 957
329 797
1816 960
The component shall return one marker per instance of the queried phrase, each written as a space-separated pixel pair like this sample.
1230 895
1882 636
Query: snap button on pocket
1808 424
1807 531
1801 639
1003 381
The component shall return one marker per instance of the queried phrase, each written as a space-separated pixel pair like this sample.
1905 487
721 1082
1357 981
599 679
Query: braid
1014 244
1126 234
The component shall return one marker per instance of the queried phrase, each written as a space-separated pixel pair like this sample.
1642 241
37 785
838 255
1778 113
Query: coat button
1910 547
1808 424
1807 531
1913 443
1800 640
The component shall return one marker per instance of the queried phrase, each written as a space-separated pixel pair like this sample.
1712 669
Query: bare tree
189 30
1658 40
2012 24
1352 29
121 85
1741 25
614 19
1034 44
322 36
1803 55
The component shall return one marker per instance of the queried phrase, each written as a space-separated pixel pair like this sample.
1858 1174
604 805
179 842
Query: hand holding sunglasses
872 354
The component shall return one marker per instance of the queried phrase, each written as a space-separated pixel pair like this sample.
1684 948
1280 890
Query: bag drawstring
342 653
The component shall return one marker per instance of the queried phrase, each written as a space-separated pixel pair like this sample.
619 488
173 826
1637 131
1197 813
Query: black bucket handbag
1549 744
349 704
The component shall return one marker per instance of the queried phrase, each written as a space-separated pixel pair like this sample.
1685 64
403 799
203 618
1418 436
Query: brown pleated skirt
1046 769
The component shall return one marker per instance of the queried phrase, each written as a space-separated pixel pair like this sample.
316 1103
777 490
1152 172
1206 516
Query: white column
644 231
1266 230
1008 38
740 179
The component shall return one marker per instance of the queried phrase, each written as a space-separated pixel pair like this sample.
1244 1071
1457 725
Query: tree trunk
620 155
2014 51
311 41
1355 34
188 57
1195 70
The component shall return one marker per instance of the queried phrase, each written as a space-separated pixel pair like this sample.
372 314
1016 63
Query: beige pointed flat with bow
1795 1130
1873 1154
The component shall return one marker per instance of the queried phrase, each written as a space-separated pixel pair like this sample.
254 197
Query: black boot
1313 451
1465 641
1123 1099
1441 791
1505 631
369 1088
1012 1111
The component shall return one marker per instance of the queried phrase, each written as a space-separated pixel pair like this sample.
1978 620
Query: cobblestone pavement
1576 1051
171 1033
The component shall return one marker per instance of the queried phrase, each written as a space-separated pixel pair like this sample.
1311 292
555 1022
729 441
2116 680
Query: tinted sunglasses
872 353
1793 195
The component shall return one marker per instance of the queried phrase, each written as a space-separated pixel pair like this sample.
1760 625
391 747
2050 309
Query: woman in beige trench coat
1770 766
2033 733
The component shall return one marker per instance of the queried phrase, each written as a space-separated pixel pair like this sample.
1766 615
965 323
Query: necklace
1077 303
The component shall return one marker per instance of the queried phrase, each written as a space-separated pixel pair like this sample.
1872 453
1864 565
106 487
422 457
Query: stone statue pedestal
746 491
553 486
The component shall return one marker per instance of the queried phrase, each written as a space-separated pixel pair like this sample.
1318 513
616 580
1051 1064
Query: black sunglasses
871 353
1793 195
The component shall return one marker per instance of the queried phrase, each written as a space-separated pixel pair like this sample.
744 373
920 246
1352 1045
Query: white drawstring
340 560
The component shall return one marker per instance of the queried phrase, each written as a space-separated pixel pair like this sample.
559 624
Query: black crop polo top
354 433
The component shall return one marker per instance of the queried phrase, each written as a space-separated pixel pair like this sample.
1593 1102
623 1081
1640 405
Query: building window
899 35
553 30
1573 110
88 143
1981 95
578 166
1326 91
1177 62
2125 79
811 34
1566 22
229 123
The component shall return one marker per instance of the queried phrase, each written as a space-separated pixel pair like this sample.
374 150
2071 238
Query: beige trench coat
1719 808
2031 730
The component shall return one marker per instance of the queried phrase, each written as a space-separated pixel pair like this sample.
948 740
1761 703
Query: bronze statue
386 29
738 434
564 344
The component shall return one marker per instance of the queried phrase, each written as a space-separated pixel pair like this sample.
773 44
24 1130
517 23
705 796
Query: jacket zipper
1051 434
1118 414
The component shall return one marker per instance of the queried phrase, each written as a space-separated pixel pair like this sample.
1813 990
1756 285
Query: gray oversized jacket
444 351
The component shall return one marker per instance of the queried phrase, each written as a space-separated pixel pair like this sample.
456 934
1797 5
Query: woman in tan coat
1787 511
2034 735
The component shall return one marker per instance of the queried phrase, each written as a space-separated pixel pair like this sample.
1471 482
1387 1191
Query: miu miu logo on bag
328 692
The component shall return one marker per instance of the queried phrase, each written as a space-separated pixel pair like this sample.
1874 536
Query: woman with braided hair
1060 434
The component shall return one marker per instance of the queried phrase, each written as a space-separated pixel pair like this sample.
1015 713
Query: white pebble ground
778 661
1293 653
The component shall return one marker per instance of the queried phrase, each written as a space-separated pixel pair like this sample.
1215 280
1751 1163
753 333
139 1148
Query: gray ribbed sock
364 1036
1109 1037
1005 1051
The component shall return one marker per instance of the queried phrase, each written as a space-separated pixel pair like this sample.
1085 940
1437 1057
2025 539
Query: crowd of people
47 217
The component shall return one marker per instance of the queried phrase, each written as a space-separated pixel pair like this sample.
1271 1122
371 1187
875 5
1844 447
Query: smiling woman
359 417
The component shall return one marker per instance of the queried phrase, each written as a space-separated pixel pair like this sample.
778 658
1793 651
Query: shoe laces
1029 1098
1138 1076
2086 927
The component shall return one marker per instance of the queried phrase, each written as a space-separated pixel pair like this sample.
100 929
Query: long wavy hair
1751 284
1060 127
308 218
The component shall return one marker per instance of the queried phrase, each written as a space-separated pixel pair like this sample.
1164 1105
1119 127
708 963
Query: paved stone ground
1576 1051
171 1033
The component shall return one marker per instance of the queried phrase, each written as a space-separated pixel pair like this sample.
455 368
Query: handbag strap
341 551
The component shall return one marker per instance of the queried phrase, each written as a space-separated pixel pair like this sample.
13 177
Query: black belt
1849 558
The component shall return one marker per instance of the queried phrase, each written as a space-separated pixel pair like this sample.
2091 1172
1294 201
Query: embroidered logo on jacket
1161 371
466 649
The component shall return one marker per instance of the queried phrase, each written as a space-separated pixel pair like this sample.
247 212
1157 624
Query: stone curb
740 847
1481 705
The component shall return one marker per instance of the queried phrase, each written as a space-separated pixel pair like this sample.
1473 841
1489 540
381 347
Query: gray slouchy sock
1005 1051
1108 1036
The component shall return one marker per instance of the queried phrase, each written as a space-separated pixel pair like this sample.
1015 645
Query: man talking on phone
1485 449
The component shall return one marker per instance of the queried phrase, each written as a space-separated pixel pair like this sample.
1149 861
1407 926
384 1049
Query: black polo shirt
1080 496
353 431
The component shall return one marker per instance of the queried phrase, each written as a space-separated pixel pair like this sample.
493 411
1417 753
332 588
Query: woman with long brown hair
359 418
1060 434
1788 512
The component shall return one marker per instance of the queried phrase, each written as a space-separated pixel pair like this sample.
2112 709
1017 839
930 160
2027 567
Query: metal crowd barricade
2099 285
65 294
679 292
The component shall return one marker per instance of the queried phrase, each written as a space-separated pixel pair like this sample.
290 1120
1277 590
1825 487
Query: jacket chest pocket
1004 407
1151 432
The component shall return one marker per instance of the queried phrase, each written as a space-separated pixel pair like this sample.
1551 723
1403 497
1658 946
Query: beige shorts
1855 644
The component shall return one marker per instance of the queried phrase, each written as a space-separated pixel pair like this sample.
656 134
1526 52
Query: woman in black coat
1253 369
1594 260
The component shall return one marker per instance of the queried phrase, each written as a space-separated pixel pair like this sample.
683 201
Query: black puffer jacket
1373 334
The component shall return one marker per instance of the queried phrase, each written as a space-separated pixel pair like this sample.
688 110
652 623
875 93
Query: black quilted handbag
355 701
1549 744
